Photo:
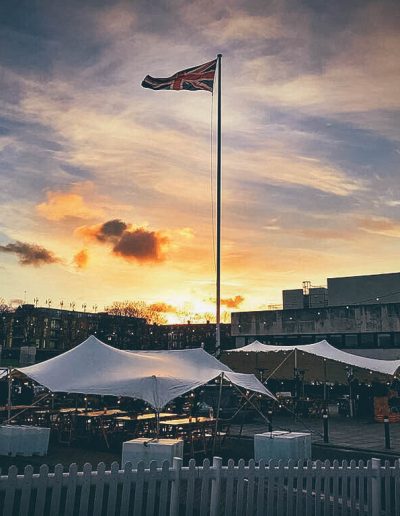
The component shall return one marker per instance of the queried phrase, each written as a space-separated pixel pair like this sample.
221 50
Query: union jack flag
197 78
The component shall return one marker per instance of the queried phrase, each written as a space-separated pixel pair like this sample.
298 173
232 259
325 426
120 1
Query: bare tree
5 307
137 309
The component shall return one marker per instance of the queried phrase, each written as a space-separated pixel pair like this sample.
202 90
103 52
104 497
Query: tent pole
296 376
325 379
157 424
9 393
221 379
278 367
248 400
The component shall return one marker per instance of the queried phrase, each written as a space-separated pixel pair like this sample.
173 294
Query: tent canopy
325 350
153 376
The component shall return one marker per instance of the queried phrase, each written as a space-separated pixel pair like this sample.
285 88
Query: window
384 340
367 340
351 340
336 340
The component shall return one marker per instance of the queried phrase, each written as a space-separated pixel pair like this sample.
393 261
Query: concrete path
358 434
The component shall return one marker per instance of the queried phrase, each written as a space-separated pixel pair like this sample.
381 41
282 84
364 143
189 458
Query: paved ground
343 432
349 439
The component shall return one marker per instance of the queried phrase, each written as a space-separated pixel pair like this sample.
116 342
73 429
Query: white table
282 445
23 440
146 450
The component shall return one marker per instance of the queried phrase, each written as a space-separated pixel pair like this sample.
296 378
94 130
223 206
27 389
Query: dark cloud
232 302
109 230
30 254
140 245
132 244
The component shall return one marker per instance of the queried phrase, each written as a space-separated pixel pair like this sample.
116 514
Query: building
350 326
362 290
183 336
356 313
306 297
369 289
51 331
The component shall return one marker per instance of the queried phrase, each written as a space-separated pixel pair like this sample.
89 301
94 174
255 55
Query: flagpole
219 185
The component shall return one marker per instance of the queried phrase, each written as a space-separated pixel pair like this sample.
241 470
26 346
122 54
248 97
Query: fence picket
387 490
85 489
280 502
126 489
396 475
56 491
10 491
345 478
317 502
41 490
240 487
309 478
361 489
336 472
299 489
99 489
164 484
139 486
290 485
260 489
112 489
353 490
216 486
327 489
205 488
190 487
26 491
271 484
71 490
151 489
250 488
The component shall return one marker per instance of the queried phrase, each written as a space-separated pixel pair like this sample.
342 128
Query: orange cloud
163 307
60 205
81 259
232 302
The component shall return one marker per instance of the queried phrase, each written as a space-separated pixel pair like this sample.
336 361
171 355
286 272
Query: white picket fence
272 489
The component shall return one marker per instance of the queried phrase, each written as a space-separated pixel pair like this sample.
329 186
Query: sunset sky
105 186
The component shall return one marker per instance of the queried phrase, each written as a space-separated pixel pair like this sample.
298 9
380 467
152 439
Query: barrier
273 488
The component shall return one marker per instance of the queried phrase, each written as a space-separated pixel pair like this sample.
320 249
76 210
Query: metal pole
9 393
221 379
270 420
387 433
219 184
296 380
157 424
326 428
325 378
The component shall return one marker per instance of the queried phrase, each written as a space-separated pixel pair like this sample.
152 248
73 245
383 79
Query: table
23 440
69 410
282 445
142 449
193 430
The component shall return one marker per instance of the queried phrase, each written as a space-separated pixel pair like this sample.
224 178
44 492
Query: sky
107 189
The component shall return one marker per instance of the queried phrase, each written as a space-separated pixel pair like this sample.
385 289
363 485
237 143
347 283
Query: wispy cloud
60 205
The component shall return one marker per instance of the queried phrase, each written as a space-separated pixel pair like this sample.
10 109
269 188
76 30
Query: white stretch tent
153 376
325 350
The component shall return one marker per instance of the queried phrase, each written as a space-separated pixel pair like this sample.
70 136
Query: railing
272 489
